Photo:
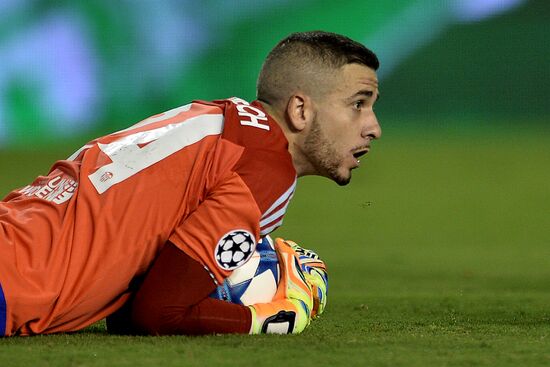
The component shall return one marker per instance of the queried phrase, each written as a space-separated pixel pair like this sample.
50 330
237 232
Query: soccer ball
256 280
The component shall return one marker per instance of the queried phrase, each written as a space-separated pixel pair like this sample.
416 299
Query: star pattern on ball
269 261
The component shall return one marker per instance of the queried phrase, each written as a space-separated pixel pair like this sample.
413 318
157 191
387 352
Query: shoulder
250 126
168 121
265 164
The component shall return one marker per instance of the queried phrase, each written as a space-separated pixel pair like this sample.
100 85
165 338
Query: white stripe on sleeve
286 196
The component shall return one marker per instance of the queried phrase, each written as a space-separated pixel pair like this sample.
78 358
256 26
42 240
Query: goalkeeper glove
290 310
315 272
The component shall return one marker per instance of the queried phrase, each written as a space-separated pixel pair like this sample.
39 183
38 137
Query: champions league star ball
256 280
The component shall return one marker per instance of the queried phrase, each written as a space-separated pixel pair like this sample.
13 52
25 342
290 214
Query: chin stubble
322 155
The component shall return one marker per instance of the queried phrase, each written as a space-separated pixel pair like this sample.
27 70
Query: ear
299 111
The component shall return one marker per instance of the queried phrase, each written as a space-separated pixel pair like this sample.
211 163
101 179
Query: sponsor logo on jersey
234 249
106 176
57 190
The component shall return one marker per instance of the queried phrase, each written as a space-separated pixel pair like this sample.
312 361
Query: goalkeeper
184 185
174 298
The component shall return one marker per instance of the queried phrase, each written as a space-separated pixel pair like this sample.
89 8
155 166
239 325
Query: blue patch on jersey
2 313
222 292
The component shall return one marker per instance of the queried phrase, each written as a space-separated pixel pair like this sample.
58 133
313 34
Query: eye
358 104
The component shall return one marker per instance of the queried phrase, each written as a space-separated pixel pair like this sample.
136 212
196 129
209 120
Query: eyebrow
366 93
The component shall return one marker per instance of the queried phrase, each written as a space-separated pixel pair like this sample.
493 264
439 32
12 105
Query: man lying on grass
184 184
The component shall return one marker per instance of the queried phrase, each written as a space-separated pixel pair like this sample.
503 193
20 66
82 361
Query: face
344 124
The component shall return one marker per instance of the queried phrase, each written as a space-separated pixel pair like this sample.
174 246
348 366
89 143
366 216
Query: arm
174 299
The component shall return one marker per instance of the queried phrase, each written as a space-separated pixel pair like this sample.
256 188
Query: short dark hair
335 49
303 53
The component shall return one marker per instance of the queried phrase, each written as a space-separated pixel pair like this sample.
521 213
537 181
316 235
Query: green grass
438 255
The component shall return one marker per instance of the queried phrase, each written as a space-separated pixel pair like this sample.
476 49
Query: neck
301 164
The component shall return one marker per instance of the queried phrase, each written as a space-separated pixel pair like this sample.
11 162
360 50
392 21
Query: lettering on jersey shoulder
58 190
250 115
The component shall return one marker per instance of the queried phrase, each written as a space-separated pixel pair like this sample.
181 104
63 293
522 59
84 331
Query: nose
372 127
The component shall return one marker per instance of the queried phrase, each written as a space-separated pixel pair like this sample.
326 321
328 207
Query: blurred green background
74 68
439 249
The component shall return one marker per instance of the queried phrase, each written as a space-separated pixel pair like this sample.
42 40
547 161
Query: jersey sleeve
265 164
272 190
255 180
222 232
174 299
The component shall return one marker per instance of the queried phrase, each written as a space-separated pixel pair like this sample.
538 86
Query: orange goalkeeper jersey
210 177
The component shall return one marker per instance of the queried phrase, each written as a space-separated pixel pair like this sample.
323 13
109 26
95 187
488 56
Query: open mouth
359 153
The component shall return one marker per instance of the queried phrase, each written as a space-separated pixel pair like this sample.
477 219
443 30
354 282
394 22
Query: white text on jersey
57 190
252 114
